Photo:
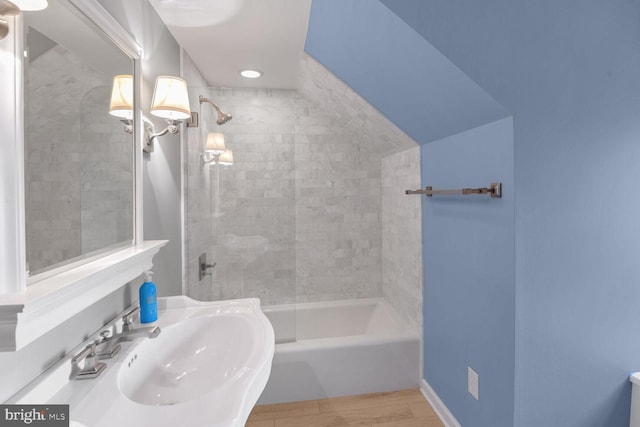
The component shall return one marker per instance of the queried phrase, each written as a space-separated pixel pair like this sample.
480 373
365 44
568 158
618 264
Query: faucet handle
90 369
89 351
106 350
127 318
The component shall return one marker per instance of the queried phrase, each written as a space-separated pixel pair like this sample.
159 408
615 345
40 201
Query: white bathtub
342 348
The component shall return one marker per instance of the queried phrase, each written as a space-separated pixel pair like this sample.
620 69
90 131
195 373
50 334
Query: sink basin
207 368
192 358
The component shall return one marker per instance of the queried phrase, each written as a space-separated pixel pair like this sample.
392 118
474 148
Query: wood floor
406 408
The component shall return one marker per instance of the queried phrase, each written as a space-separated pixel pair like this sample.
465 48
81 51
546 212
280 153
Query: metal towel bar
494 190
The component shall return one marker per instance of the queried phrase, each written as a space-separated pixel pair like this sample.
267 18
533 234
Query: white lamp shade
226 158
170 98
28 5
215 143
122 97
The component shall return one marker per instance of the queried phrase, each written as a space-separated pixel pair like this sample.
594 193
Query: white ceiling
224 37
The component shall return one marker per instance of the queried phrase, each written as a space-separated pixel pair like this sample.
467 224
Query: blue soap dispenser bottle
148 300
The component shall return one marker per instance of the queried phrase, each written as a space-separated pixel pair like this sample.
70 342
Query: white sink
194 357
207 367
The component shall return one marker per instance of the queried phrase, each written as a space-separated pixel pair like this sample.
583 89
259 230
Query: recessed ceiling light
251 74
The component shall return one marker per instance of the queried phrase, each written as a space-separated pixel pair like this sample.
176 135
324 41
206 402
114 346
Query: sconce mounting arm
172 128
127 126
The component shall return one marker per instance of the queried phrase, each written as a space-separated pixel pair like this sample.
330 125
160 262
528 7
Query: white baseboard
439 407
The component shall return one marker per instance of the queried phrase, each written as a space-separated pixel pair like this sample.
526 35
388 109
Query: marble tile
402 235
303 213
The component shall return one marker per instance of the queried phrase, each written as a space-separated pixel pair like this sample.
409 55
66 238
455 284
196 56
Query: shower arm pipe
494 190
204 99
222 116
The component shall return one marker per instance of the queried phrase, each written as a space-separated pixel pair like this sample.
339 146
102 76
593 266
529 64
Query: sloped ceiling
395 69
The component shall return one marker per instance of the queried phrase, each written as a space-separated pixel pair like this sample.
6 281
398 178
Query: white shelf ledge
25 316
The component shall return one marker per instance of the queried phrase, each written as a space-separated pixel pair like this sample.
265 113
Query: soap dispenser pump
148 300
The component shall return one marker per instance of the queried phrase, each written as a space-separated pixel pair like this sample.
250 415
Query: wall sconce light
214 147
12 8
171 102
121 105
215 151
226 158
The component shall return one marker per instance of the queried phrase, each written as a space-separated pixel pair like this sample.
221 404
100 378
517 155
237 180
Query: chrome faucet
110 344
129 333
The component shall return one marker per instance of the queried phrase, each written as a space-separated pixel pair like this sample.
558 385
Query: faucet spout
149 332
129 333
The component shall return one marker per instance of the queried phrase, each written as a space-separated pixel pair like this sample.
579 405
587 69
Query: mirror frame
27 313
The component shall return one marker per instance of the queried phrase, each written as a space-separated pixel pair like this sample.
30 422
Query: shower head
222 116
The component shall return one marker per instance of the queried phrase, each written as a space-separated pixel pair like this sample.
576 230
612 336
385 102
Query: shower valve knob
204 266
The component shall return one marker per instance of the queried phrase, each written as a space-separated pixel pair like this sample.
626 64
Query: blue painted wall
397 70
469 267
569 72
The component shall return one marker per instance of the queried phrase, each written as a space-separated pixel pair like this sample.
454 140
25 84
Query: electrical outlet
473 383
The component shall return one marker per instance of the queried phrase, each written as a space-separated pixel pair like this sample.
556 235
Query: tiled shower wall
401 235
299 216
252 205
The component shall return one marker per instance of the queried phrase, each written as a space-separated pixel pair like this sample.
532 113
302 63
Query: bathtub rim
333 303
405 332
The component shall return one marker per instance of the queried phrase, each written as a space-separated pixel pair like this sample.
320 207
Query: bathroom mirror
79 161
